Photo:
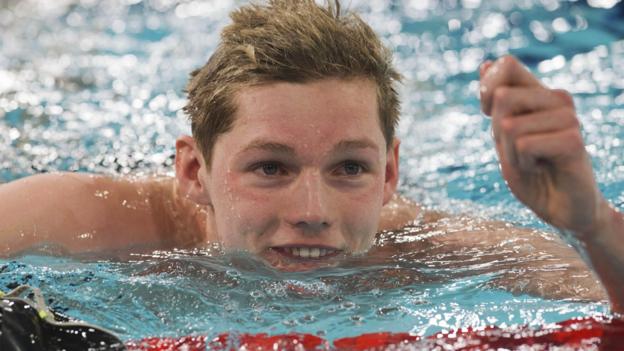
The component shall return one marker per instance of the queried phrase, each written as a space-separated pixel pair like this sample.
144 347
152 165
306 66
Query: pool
97 87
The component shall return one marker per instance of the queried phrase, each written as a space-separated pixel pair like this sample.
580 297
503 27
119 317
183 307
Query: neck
194 223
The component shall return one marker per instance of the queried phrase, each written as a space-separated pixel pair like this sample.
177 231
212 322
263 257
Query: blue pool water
97 87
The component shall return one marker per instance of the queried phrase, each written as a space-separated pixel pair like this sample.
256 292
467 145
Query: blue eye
352 168
270 169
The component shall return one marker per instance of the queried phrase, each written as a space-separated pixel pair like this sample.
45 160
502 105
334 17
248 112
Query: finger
484 67
505 147
548 121
508 129
504 71
534 150
509 101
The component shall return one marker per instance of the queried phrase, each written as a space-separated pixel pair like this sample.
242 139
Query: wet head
301 177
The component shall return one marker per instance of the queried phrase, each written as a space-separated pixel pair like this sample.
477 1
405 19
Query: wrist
608 225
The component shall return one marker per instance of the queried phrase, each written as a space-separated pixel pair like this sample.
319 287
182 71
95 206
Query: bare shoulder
86 212
401 212
186 224
175 222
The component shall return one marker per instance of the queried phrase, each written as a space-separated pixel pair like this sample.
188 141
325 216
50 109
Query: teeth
307 252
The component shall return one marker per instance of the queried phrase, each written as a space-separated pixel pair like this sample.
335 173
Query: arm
522 260
544 162
83 212
603 246
525 260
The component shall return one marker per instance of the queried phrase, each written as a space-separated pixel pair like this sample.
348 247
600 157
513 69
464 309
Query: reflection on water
415 281
97 86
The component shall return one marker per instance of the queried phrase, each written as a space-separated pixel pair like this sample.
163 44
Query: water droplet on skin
87 235
128 205
102 194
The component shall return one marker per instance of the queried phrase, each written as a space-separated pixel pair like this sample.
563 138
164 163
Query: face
301 178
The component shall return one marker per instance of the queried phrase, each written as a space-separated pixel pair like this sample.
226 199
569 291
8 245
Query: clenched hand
540 148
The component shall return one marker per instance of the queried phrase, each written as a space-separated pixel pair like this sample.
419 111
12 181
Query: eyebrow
342 146
264 145
347 145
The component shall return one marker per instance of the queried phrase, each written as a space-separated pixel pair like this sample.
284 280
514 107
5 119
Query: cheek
361 215
370 198
239 212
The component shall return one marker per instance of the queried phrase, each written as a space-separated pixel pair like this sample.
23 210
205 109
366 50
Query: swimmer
293 157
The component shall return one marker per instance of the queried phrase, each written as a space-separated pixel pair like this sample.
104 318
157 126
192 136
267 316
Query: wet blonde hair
287 41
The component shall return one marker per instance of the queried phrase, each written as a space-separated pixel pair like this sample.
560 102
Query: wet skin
305 171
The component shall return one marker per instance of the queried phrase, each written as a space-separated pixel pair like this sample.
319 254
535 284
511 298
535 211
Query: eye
351 168
269 169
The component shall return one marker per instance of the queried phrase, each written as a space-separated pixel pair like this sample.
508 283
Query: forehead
327 102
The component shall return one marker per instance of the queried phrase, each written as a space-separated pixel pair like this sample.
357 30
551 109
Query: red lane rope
574 334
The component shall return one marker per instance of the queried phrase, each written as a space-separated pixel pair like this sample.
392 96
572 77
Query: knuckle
573 140
568 115
501 94
495 134
575 122
509 62
522 146
507 126
565 96
576 140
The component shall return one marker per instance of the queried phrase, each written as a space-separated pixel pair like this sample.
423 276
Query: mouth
302 258
307 252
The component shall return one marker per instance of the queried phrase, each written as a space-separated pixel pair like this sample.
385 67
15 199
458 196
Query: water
97 87
180 293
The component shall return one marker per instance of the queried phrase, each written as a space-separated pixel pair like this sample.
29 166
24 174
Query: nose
309 209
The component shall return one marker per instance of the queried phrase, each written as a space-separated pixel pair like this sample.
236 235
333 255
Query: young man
294 159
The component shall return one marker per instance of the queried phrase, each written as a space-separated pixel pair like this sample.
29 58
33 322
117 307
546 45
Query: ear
191 171
392 171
